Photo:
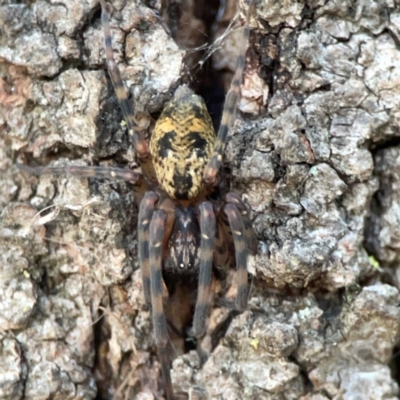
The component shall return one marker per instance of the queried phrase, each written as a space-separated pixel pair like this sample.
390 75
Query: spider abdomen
181 145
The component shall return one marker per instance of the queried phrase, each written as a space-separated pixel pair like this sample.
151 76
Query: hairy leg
146 210
237 227
157 227
86 172
230 106
134 133
137 139
251 238
207 228
127 175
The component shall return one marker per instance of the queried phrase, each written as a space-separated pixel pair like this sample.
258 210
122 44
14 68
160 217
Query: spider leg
230 106
248 228
139 183
238 232
146 210
86 172
157 227
207 229
135 135
136 178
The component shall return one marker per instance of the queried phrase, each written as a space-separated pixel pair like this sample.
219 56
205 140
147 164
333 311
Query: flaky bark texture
316 157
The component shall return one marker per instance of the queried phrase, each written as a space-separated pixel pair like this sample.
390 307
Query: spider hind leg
230 105
138 141
136 137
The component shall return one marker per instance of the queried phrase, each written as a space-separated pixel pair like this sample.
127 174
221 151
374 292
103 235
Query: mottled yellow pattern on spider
189 234
181 145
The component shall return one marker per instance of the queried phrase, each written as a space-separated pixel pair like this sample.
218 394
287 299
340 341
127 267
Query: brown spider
186 230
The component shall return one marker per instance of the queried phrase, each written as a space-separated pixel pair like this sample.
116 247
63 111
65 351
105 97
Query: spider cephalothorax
187 230
184 243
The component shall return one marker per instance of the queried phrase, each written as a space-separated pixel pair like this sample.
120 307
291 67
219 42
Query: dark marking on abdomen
199 144
165 144
182 185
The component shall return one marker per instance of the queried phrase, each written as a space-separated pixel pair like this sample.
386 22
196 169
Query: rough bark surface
316 156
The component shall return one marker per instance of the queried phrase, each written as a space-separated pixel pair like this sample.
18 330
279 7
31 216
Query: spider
187 230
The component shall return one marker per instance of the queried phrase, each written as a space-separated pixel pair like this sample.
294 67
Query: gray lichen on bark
315 156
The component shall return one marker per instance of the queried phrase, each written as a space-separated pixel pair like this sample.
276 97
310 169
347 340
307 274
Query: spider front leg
207 230
146 210
241 251
248 228
157 228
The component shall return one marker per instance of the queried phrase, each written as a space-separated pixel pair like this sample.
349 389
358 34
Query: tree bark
315 153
